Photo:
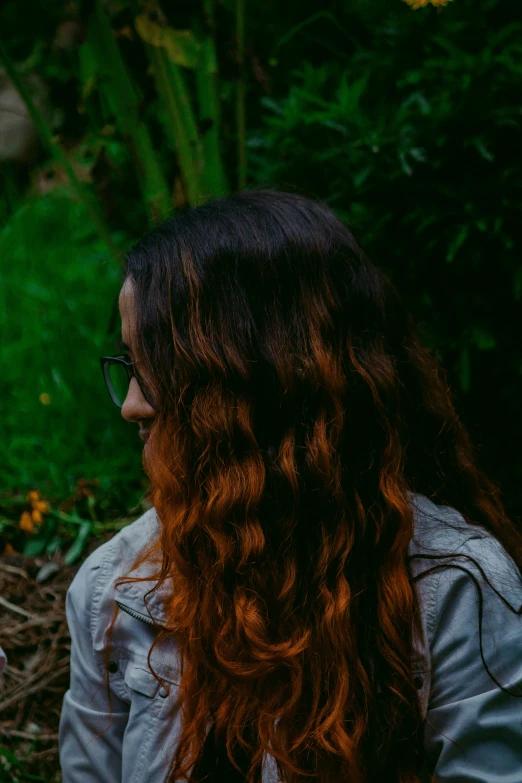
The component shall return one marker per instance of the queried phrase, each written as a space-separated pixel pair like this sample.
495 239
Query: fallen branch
38 686
17 609
27 735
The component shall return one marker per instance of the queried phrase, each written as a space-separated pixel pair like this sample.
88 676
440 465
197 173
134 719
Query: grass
60 429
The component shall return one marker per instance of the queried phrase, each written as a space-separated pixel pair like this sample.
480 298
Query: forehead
126 304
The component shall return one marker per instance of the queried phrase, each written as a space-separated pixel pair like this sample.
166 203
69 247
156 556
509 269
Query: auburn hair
297 409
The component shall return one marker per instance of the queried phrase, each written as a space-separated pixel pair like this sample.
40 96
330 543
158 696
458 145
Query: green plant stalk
58 154
206 87
240 102
123 101
188 118
74 519
181 126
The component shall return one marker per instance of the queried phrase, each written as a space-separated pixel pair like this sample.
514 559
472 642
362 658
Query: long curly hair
296 410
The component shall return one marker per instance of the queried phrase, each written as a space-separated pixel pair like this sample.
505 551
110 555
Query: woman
308 592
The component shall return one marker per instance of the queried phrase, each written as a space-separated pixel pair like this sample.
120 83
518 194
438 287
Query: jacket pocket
142 681
150 705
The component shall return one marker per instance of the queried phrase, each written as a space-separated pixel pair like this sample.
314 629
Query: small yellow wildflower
34 511
415 4
44 398
26 523
8 549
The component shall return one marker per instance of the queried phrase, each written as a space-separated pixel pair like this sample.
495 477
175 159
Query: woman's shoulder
442 537
126 544
111 559
439 528
474 633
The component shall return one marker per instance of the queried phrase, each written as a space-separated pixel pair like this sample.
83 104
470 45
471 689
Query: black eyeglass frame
105 363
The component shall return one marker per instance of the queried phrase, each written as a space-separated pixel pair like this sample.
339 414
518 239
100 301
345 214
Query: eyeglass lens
119 381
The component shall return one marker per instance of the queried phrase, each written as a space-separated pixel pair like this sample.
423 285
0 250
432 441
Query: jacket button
113 667
418 682
163 692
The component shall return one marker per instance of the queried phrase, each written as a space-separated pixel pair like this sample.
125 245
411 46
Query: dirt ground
35 638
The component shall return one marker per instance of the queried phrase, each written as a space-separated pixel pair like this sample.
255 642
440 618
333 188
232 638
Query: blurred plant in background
421 3
115 113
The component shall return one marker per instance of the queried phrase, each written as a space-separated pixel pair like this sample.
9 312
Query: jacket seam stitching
98 588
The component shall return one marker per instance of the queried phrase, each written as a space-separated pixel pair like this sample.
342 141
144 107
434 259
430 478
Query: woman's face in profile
135 407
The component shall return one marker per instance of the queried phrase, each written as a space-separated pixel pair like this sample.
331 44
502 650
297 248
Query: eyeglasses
118 371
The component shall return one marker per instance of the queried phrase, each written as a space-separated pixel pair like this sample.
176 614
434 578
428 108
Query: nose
135 407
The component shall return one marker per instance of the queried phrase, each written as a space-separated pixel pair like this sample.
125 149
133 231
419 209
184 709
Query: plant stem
181 126
209 110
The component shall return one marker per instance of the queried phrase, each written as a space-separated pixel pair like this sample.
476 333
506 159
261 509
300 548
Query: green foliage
12 768
107 68
57 292
412 134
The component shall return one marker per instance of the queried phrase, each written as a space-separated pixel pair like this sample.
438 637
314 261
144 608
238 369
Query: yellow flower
42 505
26 522
37 516
415 4
34 511
44 398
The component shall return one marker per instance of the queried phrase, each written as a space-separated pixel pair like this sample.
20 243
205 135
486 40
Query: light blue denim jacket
472 728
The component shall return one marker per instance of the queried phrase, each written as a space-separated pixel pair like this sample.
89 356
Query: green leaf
272 105
4 523
35 546
350 92
483 339
54 545
6 755
88 68
359 178
78 544
483 150
181 46
457 242
404 164
208 60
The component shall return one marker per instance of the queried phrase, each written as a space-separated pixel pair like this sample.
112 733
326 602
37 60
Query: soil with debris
35 638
